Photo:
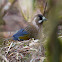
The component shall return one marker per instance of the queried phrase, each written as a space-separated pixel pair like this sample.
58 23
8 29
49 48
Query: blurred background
15 14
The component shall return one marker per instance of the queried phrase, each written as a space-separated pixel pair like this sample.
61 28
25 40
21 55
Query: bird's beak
43 18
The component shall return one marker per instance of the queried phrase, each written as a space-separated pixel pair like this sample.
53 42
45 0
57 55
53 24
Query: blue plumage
20 33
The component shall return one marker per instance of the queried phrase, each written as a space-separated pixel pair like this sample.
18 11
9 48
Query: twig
9 8
9 47
45 9
3 57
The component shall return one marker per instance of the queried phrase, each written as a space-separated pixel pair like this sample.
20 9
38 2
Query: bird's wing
21 35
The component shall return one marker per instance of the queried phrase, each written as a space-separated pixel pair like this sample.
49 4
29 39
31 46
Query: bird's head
38 20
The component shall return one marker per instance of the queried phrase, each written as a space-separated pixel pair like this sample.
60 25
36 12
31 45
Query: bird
32 30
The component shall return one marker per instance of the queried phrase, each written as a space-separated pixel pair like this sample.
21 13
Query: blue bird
31 31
